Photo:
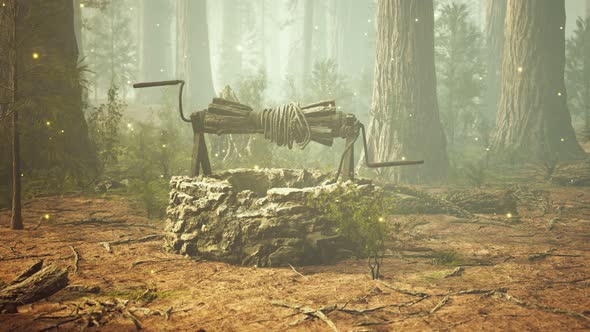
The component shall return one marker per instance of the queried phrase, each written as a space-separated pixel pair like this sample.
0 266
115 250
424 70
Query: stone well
254 217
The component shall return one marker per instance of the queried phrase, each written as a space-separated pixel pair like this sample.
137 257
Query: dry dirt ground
530 274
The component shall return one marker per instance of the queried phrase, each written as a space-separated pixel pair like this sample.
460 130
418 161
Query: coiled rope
285 125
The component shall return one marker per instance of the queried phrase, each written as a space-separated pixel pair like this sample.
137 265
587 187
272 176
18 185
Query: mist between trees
271 53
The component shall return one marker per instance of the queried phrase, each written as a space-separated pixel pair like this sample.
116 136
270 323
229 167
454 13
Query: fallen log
480 201
35 284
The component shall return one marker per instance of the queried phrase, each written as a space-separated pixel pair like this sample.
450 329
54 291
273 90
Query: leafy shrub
356 216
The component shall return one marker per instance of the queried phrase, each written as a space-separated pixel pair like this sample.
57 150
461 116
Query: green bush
356 216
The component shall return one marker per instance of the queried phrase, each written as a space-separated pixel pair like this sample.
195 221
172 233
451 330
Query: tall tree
308 28
155 60
193 59
577 72
230 64
533 118
494 33
9 21
405 122
459 69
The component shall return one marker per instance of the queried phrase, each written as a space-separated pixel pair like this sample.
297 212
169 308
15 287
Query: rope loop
285 125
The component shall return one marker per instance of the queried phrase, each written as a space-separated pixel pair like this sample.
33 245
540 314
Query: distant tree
405 121
156 47
193 59
494 38
230 64
111 50
533 120
325 82
460 70
577 71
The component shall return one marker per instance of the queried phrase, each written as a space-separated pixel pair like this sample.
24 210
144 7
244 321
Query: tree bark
155 55
11 25
533 119
405 122
193 59
494 33
40 284
308 28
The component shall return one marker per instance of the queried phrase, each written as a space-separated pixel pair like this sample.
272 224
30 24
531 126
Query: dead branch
404 291
548 309
440 304
76 259
456 272
107 245
39 285
136 263
308 311
292 268
24 257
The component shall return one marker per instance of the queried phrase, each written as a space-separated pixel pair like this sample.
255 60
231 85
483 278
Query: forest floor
441 273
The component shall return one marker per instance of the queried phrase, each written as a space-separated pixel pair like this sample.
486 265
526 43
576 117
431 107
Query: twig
540 307
24 257
308 311
404 291
440 304
292 268
136 263
76 259
56 325
456 272
107 245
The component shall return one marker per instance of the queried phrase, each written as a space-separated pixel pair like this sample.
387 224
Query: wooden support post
200 158
348 167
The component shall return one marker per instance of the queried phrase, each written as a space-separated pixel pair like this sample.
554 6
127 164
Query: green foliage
476 173
104 125
251 92
447 258
110 47
356 216
577 71
327 83
460 70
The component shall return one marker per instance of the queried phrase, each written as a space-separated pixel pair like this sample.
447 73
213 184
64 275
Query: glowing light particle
35 55
508 215
48 123
381 219
403 158
416 19
163 145
559 94
519 69
46 216
563 139
129 125
477 138
81 5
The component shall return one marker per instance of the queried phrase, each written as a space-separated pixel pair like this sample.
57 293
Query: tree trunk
230 66
308 29
533 118
494 32
155 55
11 25
193 59
405 121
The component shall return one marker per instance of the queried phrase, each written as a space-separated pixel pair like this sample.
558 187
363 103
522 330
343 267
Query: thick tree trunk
230 66
533 118
155 54
494 32
405 121
193 59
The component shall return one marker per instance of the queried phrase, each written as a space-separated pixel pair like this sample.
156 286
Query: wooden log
37 286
